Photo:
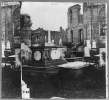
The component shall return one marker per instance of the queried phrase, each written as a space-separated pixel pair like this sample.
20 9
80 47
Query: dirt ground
88 84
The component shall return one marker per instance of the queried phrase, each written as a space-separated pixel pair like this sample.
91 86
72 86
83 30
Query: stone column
49 36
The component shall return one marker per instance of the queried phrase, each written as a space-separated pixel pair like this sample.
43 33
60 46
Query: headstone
101 61
87 49
8 45
3 48
87 52
94 44
88 43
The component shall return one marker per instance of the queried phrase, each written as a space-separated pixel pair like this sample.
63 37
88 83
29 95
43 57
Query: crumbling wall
7 21
74 21
91 20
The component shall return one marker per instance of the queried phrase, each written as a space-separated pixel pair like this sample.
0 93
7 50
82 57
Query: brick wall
7 21
91 15
74 23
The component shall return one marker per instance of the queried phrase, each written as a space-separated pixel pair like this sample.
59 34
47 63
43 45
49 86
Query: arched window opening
71 36
81 37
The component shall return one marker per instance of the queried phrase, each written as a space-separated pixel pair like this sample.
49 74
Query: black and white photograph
54 50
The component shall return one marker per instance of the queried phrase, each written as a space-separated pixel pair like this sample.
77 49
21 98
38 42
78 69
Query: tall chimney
49 36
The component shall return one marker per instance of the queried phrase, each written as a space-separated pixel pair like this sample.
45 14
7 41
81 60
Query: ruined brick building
75 24
10 14
10 22
91 25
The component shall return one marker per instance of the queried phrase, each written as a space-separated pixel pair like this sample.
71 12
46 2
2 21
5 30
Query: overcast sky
47 15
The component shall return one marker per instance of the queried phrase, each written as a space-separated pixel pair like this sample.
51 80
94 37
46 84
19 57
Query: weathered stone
7 22
91 22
